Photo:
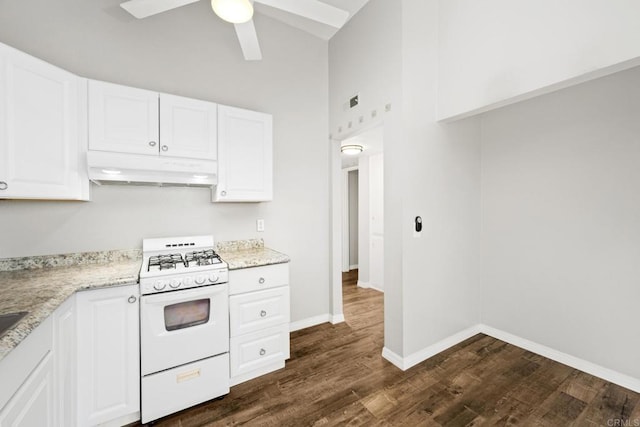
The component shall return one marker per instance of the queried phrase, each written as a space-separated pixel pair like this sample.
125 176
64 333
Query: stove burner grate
206 257
165 262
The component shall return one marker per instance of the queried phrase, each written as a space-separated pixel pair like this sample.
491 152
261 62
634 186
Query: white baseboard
413 359
353 267
375 288
591 368
336 318
606 374
309 322
362 284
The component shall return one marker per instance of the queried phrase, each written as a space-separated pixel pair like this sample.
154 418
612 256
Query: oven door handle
175 297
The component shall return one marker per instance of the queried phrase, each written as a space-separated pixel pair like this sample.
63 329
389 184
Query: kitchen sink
8 320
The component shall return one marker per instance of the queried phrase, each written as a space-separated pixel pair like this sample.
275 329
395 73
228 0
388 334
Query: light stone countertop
39 285
249 253
40 290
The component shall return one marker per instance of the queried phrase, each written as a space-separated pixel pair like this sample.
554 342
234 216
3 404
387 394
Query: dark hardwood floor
337 376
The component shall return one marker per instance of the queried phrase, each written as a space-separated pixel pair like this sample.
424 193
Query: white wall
560 229
376 221
441 167
363 221
353 217
188 52
389 53
494 52
365 57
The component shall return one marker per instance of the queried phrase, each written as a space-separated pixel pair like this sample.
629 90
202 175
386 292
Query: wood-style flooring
337 376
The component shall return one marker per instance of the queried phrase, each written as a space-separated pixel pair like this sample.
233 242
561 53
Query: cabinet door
64 348
108 355
244 156
123 119
40 142
188 127
32 405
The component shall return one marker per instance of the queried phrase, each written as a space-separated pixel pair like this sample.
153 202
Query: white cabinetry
64 350
42 130
33 404
245 145
123 119
258 320
108 356
27 386
188 127
130 120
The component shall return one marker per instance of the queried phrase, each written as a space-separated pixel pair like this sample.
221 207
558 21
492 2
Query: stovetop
179 263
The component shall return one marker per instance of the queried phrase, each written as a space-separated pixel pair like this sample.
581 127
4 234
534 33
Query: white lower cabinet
108 385
64 370
33 404
258 321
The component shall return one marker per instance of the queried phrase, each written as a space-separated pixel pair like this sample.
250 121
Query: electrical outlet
260 225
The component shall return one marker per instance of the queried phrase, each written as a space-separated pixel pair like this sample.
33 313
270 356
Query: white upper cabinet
245 158
42 130
130 120
123 119
188 127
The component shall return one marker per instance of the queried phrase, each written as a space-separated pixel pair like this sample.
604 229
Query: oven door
183 326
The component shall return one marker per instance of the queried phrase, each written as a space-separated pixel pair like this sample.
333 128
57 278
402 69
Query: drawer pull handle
3 185
263 352
261 280
263 313
152 143
132 299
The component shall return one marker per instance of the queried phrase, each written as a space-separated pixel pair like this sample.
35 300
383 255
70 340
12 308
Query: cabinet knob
263 352
263 313
132 299
152 143
261 280
223 193
3 185
165 148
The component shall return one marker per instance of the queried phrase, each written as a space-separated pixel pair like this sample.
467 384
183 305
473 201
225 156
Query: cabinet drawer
258 278
259 349
258 310
172 390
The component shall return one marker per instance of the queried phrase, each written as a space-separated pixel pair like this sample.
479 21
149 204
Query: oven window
187 314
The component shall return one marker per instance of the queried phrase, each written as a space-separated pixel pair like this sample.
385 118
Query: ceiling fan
240 13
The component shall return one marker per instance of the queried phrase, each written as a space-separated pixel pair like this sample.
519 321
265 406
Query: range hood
126 168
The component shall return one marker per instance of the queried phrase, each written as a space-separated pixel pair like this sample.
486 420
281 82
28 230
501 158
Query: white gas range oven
184 325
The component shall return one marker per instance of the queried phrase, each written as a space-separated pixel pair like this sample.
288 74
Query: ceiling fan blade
249 41
143 8
312 9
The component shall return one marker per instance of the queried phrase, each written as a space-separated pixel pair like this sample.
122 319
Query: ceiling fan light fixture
351 149
234 11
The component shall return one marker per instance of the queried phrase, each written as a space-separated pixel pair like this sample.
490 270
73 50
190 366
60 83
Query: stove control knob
175 283
188 281
160 285
200 280
213 278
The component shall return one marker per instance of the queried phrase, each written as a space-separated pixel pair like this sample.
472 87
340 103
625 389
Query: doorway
358 214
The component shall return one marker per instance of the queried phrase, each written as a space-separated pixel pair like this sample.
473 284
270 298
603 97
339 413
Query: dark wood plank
337 376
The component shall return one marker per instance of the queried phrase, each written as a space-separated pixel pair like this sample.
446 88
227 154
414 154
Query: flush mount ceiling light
234 11
351 149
